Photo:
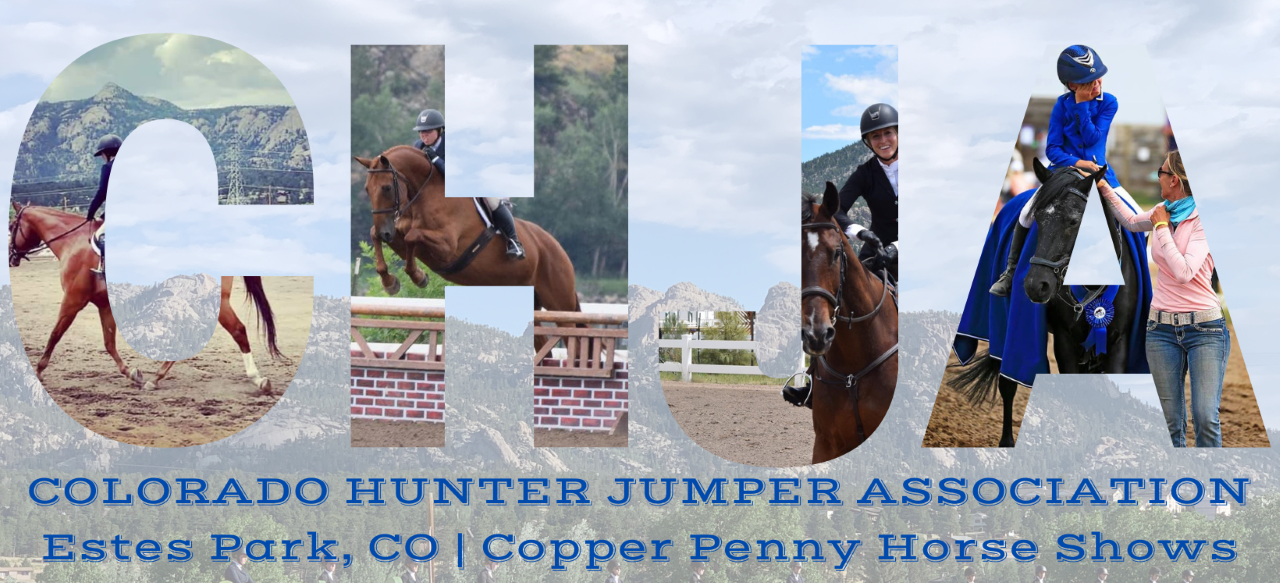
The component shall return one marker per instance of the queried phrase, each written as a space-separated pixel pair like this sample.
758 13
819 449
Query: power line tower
235 182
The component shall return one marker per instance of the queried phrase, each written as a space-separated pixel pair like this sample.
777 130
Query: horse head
824 258
382 187
1058 208
23 238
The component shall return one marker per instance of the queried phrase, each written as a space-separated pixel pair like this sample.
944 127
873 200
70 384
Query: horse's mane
807 200
1055 187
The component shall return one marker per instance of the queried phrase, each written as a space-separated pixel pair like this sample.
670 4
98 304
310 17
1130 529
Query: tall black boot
507 224
1004 285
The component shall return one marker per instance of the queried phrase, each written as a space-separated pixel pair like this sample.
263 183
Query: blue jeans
1203 348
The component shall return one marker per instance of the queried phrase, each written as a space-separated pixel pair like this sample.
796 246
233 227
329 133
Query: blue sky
837 83
509 309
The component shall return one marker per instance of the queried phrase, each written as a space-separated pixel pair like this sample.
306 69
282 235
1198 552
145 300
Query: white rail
686 368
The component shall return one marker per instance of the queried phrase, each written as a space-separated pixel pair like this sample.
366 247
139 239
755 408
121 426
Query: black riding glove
870 238
889 254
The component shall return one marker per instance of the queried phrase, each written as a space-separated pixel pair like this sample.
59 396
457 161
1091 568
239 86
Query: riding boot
507 224
799 395
102 261
1004 285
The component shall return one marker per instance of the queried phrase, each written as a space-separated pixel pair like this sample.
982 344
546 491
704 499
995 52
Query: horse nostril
830 334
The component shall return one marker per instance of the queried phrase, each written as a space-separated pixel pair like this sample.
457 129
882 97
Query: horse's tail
257 295
979 379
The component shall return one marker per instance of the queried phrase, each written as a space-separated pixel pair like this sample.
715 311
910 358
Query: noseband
835 298
396 209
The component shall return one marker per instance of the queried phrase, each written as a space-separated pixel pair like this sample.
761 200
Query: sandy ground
956 423
748 424
543 437
205 398
380 433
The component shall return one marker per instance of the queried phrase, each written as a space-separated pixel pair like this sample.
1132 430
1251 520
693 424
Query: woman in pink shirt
1186 328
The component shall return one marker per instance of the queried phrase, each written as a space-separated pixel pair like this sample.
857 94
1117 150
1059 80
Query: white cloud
833 131
865 89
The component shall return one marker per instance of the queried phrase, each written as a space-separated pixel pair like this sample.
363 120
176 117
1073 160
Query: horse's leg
417 275
1067 353
229 321
109 341
164 372
71 306
389 282
1008 391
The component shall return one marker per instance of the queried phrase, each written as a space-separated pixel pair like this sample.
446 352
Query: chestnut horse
68 235
849 330
412 215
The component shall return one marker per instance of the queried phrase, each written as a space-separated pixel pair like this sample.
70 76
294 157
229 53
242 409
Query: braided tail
258 296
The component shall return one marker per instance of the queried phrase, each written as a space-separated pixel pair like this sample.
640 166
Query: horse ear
16 206
830 200
366 162
383 161
1042 173
1101 174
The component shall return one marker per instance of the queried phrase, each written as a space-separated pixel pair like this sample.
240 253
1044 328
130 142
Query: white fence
686 368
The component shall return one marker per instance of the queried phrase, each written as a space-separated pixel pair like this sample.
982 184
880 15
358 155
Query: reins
16 256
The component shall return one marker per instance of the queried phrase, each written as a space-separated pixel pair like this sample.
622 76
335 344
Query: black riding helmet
878 117
428 120
109 143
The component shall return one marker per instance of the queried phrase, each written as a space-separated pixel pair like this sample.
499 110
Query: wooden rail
590 339
402 357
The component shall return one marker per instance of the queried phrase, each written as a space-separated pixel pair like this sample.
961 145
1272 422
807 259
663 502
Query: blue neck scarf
1180 209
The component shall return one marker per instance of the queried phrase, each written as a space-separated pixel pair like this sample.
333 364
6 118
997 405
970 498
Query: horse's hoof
135 377
150 386
392 289
264 386
426 279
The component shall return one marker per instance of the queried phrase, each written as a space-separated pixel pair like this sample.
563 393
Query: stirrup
515 250
800 396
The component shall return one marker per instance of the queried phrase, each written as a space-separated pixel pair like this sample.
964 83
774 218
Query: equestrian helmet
878 117
428 120
108 142
1080 64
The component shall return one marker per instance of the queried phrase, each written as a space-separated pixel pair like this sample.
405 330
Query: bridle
16 256
836 298
1059 267
397 209
850 380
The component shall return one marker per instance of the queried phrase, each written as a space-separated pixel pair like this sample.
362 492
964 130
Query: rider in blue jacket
1078 128
108 147
430 130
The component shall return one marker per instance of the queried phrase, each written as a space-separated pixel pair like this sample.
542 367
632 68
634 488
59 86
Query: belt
1185 318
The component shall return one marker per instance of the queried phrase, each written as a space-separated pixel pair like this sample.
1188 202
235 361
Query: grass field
726 379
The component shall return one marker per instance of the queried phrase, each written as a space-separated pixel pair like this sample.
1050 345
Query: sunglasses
1165 172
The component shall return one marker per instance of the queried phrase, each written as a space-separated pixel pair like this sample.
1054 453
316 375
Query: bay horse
1059 208
412 215
68 235
848 329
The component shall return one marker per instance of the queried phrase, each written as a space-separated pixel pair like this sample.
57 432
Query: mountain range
56 152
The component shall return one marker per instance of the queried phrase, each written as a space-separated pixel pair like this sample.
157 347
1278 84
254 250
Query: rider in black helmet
108 147
430 128
876 181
